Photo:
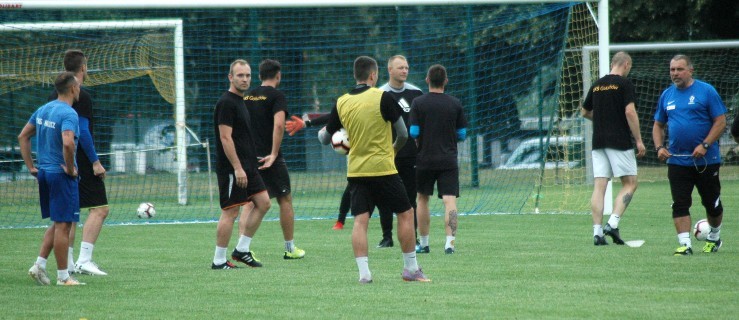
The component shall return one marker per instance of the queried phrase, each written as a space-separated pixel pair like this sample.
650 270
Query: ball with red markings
340 141
701 230
146 210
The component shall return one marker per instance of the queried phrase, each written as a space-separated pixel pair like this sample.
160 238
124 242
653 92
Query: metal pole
471 98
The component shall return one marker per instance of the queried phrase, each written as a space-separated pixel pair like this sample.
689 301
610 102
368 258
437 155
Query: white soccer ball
340 141
146 210
701 230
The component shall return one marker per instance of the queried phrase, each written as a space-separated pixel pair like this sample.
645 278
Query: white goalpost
179 69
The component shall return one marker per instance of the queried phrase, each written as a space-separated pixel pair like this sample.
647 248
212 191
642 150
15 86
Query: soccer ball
146 210
701 230
340 141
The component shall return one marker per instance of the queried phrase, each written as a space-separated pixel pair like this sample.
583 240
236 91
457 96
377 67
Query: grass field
507 266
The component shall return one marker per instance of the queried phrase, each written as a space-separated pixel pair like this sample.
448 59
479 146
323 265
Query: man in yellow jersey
369 114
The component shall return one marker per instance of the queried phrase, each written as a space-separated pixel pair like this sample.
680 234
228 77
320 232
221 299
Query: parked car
561 152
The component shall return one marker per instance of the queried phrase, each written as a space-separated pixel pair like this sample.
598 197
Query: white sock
363 265
449 242
613 220
423 241
220 255
684 239
41 262
289 245
409 261
597 230
244 244
85 252
715 234
70 258
62 274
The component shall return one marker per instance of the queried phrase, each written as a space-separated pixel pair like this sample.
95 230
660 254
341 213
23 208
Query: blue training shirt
689 115
50 121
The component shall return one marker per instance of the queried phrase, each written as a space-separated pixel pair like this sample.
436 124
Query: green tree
688 20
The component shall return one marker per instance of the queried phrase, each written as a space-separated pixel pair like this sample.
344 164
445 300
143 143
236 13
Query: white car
561 152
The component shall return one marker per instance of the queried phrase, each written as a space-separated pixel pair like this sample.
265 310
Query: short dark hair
437 76
363 67
268 69
74 59
64 82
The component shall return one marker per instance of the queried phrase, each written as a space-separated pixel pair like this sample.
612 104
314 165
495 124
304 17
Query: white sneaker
39 275
90 268
70 281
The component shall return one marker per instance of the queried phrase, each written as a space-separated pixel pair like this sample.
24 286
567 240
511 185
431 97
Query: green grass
506 266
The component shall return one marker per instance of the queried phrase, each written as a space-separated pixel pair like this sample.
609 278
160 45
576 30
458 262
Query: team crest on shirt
404 104
692 100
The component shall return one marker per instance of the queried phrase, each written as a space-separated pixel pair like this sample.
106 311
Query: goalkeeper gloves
294 125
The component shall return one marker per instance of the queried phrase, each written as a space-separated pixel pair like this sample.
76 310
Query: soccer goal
515 65
140 131
117 54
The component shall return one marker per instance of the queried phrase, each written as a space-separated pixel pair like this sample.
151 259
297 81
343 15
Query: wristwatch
658 148
705 145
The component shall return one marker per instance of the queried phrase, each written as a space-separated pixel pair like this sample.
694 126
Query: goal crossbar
193 4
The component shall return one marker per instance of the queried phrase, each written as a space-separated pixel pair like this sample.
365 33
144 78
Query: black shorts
92 187
276 178
447 182
407 172
682 181
385 191
232 195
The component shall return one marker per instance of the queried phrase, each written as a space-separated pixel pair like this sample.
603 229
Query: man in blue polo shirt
695 118
56 127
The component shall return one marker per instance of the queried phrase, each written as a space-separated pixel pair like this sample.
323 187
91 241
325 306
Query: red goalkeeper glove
294 125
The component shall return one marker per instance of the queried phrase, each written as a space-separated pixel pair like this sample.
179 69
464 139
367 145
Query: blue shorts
59 197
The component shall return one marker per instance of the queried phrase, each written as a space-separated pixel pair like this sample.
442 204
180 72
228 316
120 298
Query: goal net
517 68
